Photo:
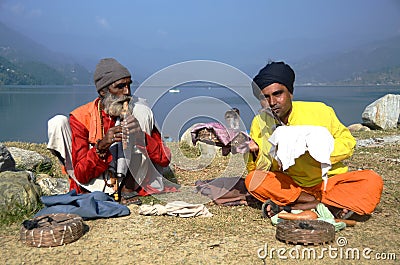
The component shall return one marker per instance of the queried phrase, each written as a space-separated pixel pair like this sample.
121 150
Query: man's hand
131 125
253 148
114 134
131 129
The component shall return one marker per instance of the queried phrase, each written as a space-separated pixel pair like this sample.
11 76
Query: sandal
134 200
339 213
274 208
350 215
128 195
128 198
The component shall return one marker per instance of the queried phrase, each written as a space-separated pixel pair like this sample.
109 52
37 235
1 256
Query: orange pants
359 191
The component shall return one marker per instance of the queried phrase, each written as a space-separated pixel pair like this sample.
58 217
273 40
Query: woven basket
52 230
307 232
208 136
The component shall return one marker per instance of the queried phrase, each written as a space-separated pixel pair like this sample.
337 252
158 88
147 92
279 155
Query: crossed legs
357 191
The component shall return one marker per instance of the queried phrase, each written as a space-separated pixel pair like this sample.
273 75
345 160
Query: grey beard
113 104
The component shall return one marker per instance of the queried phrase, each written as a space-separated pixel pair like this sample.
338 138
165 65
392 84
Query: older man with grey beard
100 125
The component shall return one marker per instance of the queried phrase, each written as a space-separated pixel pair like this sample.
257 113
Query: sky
147 36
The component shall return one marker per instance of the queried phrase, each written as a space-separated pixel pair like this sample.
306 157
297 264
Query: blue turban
274 72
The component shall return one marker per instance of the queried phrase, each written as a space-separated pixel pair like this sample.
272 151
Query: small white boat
174 91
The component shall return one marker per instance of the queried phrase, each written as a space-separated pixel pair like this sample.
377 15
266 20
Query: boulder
7 162
52 186
383 113
30 160
187 136
18 191
358 127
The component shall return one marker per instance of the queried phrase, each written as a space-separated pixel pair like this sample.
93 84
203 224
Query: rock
358 127
7 162
369 142
187 136
30 160
52 186
18 191
373 142
383 113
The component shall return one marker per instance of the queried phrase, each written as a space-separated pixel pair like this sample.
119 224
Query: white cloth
60 136
290 142
156 209
176 208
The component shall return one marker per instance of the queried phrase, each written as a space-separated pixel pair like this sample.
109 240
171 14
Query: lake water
25 110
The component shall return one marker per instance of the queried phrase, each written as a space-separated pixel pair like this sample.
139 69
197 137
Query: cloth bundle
227 191
175 208
290 142
88 206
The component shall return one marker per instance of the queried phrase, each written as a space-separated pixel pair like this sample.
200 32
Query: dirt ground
234 235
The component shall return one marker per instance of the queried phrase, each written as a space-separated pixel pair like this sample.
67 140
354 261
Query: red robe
87 164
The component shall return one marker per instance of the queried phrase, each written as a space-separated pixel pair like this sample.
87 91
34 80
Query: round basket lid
52 230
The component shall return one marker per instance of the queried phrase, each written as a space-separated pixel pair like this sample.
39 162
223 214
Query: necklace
99 108
100 153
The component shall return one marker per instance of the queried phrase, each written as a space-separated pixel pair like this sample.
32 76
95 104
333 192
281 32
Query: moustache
115 106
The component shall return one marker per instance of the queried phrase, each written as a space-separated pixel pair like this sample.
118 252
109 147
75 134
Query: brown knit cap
109 70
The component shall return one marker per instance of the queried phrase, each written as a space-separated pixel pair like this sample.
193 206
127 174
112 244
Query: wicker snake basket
307 232
52 230
208 136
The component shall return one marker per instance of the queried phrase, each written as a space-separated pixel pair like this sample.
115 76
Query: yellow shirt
306 171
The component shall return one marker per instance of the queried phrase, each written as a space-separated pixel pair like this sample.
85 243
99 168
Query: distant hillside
384 76
31 63
45 67
375 63
11 74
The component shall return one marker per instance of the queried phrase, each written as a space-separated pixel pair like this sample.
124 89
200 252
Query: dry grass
232 236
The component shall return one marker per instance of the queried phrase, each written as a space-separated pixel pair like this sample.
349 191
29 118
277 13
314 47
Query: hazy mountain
374 63
377 62
43 65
